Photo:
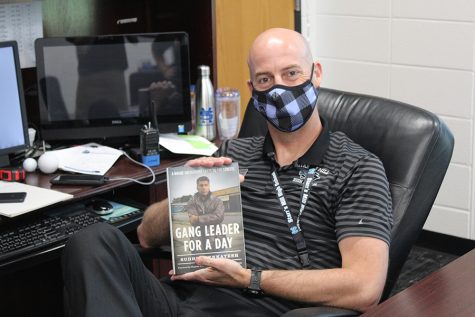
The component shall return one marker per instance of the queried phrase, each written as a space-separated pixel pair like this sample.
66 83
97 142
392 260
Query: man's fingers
204 261
208 161
212 263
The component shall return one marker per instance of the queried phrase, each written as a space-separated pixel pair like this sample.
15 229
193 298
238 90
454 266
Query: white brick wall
416 51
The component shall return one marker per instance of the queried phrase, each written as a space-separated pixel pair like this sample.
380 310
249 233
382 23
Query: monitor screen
14 125
103 87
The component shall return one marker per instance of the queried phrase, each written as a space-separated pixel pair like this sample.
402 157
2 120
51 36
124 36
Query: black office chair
415 147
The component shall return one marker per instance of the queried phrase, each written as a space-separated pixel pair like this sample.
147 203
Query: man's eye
263 80
292 73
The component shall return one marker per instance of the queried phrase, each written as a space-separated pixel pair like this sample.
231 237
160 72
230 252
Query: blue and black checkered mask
287 108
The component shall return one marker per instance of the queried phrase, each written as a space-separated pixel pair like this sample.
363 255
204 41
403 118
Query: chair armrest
321 311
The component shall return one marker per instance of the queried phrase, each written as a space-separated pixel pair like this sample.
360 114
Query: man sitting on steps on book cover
316 209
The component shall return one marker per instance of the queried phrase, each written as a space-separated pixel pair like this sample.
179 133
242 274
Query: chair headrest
396 132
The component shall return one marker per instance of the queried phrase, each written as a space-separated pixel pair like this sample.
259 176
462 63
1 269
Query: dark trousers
104 276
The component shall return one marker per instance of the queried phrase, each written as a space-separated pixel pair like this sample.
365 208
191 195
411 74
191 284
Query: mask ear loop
311 72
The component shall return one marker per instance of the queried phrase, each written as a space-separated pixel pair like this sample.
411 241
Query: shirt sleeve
365 206
222 150
190 207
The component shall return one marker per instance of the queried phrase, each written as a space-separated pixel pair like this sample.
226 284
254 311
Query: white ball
30 164
48 162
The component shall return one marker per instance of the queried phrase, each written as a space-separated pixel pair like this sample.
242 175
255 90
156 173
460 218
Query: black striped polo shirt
349 197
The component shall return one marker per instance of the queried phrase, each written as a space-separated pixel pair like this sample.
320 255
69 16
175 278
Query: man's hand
154 229
218 272
194 220
209 161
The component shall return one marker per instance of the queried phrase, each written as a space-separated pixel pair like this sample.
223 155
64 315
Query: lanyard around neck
294 224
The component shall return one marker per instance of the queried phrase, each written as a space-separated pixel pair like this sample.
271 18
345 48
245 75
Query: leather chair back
414 145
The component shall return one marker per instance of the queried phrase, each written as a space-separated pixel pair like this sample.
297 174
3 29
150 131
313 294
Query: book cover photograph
205 215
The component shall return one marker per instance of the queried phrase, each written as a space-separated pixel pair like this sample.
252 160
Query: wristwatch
254 287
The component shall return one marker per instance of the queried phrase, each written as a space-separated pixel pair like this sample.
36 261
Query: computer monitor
14 124
107 87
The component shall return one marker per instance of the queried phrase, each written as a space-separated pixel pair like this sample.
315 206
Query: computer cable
135 180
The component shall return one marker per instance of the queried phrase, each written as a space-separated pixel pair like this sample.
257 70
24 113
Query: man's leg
104 276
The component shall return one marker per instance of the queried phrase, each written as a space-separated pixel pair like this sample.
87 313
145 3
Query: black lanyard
294 225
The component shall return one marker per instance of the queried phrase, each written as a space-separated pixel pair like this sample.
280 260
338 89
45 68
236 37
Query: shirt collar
315 153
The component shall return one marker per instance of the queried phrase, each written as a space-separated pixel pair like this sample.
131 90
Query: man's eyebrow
262 73
286 68
292 66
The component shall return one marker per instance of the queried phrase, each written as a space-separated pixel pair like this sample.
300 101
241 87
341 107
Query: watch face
252 292
255 291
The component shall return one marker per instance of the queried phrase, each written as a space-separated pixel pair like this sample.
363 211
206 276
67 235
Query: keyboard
52 230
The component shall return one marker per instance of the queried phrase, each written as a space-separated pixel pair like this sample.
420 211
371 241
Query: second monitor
106 87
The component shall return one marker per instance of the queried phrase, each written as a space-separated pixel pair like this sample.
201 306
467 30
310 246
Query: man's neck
291 146
203 196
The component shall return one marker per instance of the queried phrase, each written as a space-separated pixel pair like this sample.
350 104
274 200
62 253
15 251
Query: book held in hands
205 215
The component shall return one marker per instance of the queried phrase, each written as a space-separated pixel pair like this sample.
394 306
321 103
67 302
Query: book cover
205 215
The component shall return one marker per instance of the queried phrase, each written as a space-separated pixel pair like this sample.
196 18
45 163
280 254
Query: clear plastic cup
228 110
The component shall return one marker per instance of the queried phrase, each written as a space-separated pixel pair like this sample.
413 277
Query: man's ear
249 86
317 73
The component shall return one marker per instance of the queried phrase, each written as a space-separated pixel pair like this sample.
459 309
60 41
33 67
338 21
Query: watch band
254 287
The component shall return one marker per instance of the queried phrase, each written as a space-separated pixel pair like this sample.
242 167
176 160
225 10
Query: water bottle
205 109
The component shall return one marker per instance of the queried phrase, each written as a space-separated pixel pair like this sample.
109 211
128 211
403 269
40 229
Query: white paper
187 144
91 158
22 22
36 198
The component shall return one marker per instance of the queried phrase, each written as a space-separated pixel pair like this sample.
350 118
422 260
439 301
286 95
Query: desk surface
122 168
449 291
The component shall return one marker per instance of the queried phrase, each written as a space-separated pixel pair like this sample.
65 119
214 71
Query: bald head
278 41
281 56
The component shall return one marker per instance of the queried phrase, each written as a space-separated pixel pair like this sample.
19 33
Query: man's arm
357 285
192 211
215 215
155 227
214 212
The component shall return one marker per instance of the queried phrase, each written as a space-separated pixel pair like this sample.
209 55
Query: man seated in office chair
330 249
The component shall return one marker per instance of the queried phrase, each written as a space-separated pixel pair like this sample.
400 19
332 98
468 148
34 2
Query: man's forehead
277 65
278 68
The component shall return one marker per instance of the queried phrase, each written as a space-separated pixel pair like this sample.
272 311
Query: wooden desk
123 168
449 291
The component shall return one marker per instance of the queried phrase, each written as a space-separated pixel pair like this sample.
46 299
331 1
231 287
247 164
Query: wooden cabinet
237 23
98 17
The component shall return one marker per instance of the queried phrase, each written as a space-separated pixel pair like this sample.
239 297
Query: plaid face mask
286 108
